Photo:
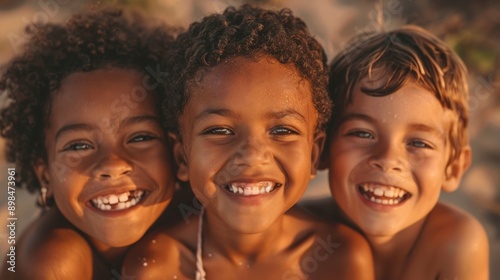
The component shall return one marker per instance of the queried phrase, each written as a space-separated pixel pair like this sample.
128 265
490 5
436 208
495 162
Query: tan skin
250 124
98 149
399 144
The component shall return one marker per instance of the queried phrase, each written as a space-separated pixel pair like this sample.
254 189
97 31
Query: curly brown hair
409 53
88 41
246 31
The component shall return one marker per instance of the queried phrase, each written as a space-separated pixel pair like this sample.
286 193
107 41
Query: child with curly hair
84 128
398 136
248 88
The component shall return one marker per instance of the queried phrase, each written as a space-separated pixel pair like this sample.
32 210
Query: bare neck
243 248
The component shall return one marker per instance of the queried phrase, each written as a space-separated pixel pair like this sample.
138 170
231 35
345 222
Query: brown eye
282 131
142 138
218 131
78 146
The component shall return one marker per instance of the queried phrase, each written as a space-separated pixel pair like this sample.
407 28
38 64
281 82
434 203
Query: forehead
250 82
411 104
101 93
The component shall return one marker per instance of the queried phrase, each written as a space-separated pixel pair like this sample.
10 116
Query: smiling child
399 137
249 86
84 128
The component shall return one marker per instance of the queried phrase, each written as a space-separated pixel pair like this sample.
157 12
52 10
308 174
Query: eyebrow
288 113
211 111
87 127
429 129
356 116
225 112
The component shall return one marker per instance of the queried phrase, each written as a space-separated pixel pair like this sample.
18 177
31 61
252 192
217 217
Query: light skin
108 168
248 147
388 163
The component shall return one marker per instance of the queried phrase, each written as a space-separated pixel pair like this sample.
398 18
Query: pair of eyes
417 143
278 130
81 145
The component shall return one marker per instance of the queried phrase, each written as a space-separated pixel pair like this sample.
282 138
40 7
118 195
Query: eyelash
360 134
145 137
218 131
280 130
77 146
419 144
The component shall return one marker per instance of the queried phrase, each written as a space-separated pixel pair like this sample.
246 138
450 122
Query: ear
42 173
456 169
179 157
317 150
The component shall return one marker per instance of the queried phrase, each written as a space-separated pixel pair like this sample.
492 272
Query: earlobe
456 169
42 173
316 158
180 157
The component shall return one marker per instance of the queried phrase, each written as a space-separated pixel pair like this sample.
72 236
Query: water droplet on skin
395 115
153 261
153 241
210 255
240 263
175 277
145 264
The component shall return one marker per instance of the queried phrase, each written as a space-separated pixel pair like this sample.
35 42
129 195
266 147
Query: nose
111 166
387 157
252 151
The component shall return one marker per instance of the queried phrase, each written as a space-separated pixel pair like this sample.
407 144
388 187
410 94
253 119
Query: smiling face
109 168
388 159
248 141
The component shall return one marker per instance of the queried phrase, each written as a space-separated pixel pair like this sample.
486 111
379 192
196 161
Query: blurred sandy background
472 28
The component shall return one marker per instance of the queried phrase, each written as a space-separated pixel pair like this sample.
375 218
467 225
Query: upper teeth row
384 190
122 201
251 189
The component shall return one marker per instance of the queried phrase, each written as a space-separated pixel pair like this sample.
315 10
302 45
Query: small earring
42 200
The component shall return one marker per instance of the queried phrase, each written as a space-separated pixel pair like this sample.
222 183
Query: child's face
109 168
388 159
248 141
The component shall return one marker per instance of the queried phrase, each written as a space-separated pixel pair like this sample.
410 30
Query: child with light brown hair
398 136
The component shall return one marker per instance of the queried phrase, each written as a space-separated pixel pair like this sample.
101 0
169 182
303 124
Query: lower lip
378 206
116 213
251 199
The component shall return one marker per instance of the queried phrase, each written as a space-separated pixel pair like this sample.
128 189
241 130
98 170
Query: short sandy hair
409 53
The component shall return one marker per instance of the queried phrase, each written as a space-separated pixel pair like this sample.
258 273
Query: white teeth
378 192
381 194
123 197
389 193
113 199
248 189
118 201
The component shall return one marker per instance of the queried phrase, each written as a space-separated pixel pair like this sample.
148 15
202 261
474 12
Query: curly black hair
246 31
88 41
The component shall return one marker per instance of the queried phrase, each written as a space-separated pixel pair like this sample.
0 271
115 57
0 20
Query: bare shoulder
353 258
164 253
460 241
53 248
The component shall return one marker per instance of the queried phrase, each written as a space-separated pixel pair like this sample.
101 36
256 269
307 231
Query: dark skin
249 148
52 247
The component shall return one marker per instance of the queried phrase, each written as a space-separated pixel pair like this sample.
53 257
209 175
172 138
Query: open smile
382 194
251 189
115 202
